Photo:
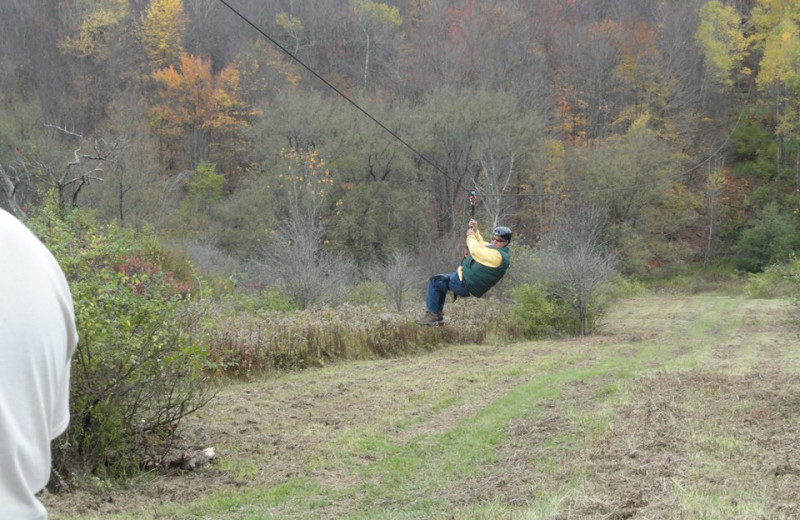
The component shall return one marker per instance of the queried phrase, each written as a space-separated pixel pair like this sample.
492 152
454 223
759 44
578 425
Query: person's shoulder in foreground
37 339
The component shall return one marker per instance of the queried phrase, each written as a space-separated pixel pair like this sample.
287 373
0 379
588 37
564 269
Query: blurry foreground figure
37 340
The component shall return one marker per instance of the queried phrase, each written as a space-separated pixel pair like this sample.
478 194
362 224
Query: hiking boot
430 318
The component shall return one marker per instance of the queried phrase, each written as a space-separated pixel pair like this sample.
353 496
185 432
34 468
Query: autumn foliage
199 115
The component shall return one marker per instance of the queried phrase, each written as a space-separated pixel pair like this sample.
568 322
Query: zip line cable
420 154
332 87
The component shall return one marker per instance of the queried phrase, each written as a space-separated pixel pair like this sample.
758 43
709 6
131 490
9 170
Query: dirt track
723 392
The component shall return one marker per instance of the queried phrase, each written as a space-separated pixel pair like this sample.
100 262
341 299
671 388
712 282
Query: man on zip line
484 264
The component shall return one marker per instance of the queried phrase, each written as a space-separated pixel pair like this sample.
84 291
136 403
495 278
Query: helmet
502 232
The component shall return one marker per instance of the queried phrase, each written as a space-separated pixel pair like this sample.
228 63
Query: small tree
304 268
575 264
770 239
399 275
377 21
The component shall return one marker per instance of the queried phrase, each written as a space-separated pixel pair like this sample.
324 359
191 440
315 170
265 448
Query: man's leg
458 287
437 293
434 300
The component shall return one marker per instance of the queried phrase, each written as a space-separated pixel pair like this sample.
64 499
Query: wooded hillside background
675 122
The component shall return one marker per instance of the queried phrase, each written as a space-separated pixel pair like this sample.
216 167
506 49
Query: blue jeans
438 287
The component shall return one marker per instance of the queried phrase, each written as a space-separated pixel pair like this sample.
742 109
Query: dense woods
675 120
287 154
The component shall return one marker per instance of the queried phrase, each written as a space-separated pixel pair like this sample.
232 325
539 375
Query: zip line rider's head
503 233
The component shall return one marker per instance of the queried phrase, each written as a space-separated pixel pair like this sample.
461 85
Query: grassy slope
685 407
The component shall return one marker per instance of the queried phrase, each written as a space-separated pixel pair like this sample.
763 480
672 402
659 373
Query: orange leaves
193 99
307 183
187 92
306 168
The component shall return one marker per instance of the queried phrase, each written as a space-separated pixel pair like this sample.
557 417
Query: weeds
244 344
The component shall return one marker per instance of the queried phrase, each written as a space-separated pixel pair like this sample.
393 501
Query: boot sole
431 323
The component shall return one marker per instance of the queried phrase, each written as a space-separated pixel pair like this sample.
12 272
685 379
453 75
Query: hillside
683 407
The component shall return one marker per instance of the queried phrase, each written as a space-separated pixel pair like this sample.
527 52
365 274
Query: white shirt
37 340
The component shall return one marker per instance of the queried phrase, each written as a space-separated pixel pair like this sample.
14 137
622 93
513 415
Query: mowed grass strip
681 408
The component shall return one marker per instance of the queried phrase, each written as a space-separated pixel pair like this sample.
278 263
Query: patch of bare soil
655 444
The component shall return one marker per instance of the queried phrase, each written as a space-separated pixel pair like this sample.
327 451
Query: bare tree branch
64 130
102 150
10 189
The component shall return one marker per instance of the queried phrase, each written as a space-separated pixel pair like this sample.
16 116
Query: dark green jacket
479 277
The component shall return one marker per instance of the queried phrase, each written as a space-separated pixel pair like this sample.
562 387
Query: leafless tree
399 275
83 169
303 268
504 152
9 184
24 177
575 263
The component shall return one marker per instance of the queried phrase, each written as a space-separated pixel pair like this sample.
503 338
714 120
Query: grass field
683 407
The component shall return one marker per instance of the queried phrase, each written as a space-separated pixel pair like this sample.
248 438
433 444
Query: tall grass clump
243 344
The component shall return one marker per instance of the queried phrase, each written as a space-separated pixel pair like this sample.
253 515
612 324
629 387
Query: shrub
771 239
777 281
535 315
618 288
138 369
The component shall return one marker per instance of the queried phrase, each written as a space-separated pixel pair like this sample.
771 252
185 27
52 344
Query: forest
674 121
287 154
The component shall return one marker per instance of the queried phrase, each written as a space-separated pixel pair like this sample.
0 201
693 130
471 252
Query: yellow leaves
768 14
289 23
780 61
162 31
775 31
554 152
315 175
724 44
96 30
640 123
379 13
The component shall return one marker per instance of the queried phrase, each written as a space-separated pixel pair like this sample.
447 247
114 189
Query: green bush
777 281
537 315
770 239
620 287
138 369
